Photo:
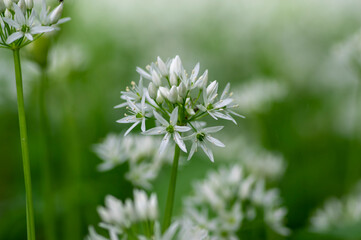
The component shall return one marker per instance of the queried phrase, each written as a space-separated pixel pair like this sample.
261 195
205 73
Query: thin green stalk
24 148
171 190
48 214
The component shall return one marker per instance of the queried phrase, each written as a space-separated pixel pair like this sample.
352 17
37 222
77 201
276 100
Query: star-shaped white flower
25 26
138 116
222 107
170 129
200 139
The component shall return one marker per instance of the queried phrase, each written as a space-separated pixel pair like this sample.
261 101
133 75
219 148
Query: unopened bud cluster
177 101
20 23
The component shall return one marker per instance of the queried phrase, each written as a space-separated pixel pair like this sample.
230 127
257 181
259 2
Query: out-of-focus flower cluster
140 152
338 213
20 22
138 219
259 94
228 199
177 101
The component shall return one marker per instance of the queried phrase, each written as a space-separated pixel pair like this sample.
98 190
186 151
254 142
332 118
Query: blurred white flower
338 213
226 199
259 94
140 152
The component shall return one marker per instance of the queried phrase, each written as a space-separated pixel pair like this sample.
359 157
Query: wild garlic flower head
138 219
338 213
176 101
20 23
139 152
226 200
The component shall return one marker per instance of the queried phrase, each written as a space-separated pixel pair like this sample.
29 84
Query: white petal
121 105
223 103
144 73
164 143
193 149
63 20
182 128
215 141
41 29
224 116
189 137
13 37
19 16
29 37
212 115
179 141
236 114
174 116
202 108
226 91
213 129
11 22
131 128
207 151
155 131
127 119
160 119
143 125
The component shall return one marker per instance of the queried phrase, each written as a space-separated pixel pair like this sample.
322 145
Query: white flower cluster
227 199
177 101
138 219
338 213
140 152
20 23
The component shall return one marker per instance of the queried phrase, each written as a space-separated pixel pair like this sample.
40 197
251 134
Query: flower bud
173 79
55 15
162 67
212 88
22 6
160 98
180 100
176 66
182 90
190 111
155 78
2 6
8 14
29 4
203 80
153 207
173 95
152 89
164 92
8 4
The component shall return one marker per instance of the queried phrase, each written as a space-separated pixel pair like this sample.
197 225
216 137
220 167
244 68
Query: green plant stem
171 190
48 214
24 147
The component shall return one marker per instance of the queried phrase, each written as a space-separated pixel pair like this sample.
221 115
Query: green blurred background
302 45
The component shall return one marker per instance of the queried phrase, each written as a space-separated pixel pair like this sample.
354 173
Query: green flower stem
24 147
48 214
171 190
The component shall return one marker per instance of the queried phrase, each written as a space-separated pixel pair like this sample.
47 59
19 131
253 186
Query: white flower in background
170 129
338 213
20 24
257 161
258 95
174 100
138 219
200 139
227 199
139 152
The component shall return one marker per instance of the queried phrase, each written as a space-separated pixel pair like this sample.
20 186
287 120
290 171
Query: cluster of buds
20 23
177 101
